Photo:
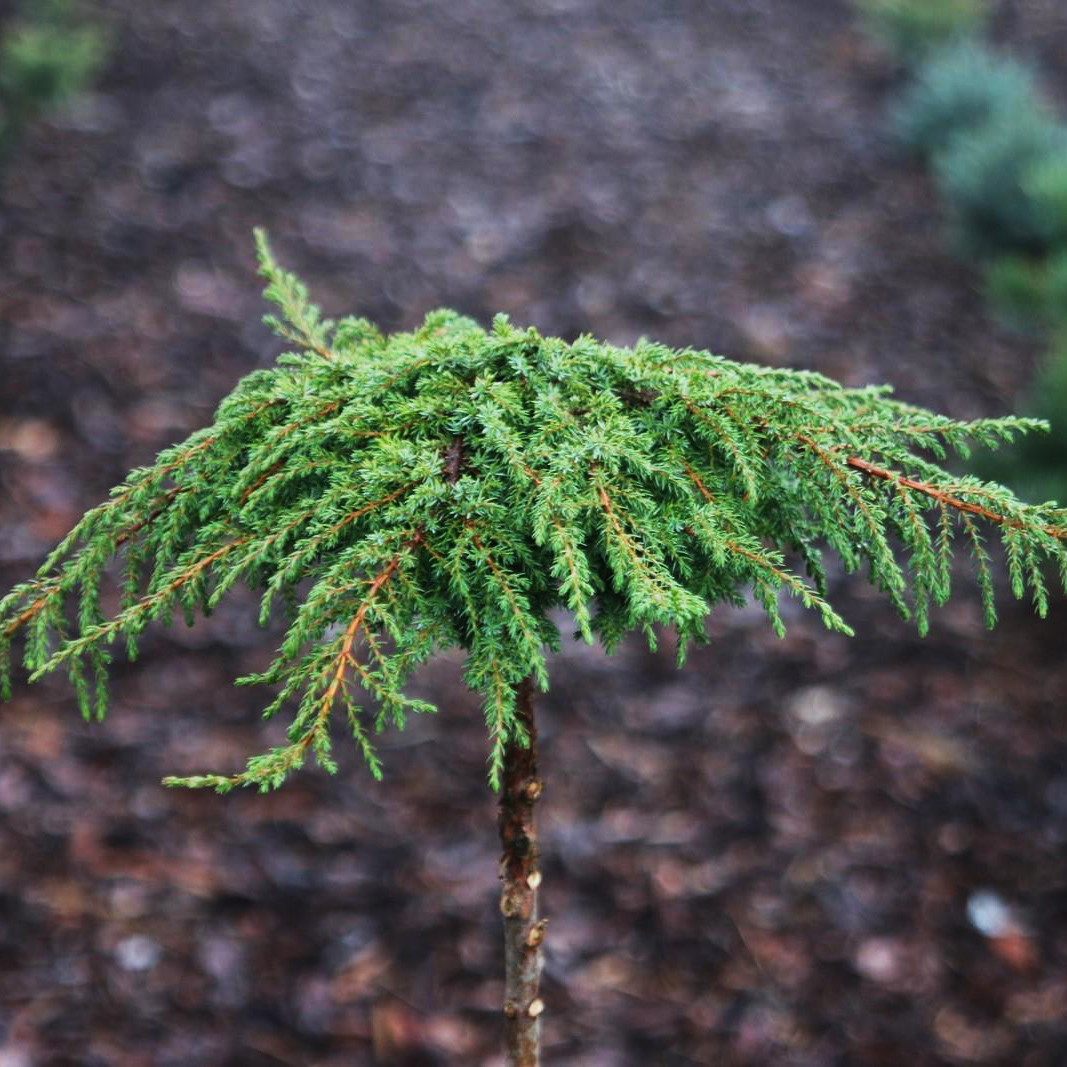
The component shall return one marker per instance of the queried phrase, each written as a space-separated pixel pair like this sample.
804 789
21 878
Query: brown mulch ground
806 852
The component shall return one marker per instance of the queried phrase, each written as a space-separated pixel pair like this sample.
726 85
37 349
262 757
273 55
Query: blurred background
812 852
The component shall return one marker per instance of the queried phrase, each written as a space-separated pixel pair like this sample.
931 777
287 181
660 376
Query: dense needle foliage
451 486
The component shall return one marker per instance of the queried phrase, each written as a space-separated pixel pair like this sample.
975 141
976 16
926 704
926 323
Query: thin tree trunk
521 873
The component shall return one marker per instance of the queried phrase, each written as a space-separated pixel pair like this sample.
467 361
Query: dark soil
808 852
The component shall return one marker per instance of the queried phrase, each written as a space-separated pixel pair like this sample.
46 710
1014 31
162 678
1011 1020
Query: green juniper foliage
451 486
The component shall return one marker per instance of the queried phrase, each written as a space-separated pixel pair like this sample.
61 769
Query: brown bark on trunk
520 872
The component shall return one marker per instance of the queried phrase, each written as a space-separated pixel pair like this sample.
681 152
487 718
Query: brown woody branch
453 460
149 519
524 931
345 657
946 498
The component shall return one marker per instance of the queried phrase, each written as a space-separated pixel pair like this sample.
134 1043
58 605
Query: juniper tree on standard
396 496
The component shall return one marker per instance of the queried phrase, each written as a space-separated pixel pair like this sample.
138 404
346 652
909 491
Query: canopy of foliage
395 496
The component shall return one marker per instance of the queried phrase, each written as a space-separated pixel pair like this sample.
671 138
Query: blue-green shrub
984 173
1016 287
1038 467
1046 183
912 28
45 59
958 90
1000 159
1034 292
1030 292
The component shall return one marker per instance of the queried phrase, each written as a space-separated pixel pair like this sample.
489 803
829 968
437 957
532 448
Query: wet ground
809 852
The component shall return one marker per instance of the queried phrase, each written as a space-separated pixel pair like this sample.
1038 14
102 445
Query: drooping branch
344 657
947 498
